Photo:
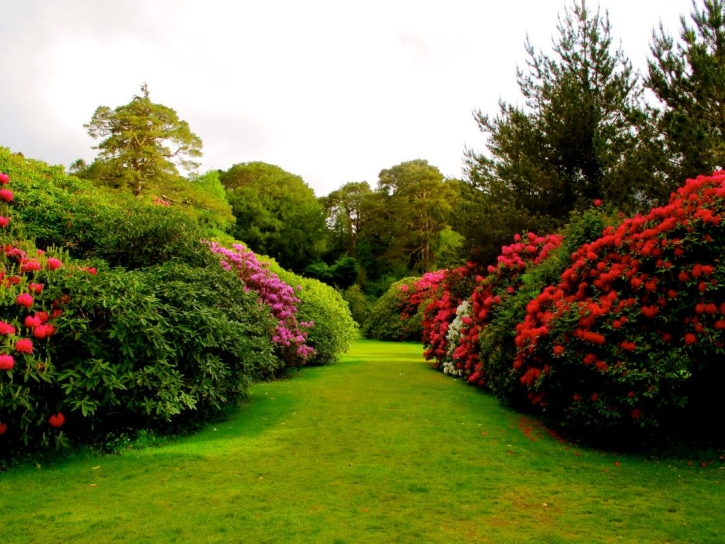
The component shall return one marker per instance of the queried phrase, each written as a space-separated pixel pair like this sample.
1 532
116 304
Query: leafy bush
359 304
290 334
131 349
342 274
64 211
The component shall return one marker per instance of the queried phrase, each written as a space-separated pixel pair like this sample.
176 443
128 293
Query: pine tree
582 134
142 144
688 77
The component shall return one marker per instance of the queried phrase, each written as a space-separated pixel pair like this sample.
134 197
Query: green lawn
378 448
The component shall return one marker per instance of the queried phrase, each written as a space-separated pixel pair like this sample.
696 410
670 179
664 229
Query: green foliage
64 211
202 197
386 322
346 215
141 144
688 77
276 213
143 349
334 329
411 206
342 274
359 304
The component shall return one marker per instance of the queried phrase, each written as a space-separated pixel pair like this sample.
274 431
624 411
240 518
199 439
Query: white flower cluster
450 368
454 330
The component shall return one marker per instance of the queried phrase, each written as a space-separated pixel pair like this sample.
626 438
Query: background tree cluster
589 128
587 132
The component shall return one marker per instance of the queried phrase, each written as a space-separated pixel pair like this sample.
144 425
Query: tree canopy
688 77
142 143
277 213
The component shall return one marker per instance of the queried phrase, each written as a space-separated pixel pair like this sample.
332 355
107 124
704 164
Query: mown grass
378 448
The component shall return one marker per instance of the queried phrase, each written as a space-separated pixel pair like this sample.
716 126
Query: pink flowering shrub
289 335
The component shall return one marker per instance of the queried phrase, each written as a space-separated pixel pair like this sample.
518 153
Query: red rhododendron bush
454 323
625 329
27 323
637 321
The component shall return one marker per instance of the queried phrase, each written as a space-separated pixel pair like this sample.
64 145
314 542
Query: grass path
378 448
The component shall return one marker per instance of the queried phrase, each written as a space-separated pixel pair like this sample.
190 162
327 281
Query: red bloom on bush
57 420
558 350
6 362
629 346
24 299
690 338
43 316
24 345
36 288
635 413
6 328
4 179
53 264
4 221
6 195
31 322
43 331
29 266
3 428
597 202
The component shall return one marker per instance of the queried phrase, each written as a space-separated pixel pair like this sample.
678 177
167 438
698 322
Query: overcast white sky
333 91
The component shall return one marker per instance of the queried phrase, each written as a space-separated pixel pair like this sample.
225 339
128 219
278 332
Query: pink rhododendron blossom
56 420
43 331
6 195
53 264
36 288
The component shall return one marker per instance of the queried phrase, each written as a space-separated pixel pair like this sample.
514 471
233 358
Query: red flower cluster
637 310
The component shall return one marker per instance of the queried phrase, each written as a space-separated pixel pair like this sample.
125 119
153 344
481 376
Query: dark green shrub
386 322
359 304
168 346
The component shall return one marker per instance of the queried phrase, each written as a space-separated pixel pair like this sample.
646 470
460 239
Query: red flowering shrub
639 314
23 272
453 340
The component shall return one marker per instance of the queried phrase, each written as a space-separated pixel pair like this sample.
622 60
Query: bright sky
333 91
